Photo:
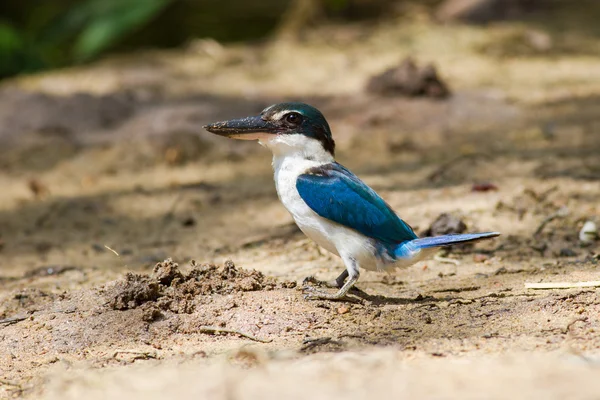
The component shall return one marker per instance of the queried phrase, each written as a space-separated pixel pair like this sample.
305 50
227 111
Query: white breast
287 171
333 237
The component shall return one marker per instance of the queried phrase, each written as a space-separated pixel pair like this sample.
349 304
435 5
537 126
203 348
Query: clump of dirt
134 291
208 279
166 272
172 290
408 79
445 224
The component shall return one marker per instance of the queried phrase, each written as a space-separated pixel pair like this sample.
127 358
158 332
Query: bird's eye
293 118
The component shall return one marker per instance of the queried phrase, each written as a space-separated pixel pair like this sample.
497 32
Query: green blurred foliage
11 49
50 35
43 34
98 24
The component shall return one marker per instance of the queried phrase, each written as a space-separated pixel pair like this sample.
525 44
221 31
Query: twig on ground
138 355
215 329
352 336
114 251
570 324
561 213
561 285
309 344
458 289
6 382
12 320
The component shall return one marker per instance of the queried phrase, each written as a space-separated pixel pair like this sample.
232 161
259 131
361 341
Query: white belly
333 237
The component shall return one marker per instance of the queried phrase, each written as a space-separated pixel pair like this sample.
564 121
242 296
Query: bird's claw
311 281
317 295
310 287
320 295
313 292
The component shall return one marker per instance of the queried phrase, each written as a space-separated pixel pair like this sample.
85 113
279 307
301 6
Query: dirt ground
106 172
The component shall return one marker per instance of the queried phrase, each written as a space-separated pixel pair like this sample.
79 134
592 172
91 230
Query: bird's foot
312 293
311 280
315 294
310 285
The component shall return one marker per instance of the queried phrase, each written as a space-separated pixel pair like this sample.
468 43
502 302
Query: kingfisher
330 204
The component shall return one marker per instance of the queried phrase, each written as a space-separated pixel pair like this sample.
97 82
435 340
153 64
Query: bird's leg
351 273
334 283
339 281
318 294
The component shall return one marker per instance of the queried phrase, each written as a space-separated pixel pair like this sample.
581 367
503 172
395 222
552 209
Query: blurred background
104 100
465 115
38 35
102 103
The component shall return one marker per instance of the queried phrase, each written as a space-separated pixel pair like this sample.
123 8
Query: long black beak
242 128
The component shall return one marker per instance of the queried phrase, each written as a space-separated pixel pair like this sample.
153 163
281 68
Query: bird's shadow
359 296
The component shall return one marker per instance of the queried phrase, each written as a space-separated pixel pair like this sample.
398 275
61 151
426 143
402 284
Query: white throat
297 147
293 155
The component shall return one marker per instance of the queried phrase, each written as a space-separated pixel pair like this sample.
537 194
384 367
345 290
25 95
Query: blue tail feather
449 240
411 248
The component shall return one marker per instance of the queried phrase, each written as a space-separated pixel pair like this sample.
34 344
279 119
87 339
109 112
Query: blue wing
337 194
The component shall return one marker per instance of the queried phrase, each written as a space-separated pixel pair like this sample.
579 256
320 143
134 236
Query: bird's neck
299 162
290 165
297 149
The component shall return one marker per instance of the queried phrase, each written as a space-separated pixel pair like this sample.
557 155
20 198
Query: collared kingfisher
330 204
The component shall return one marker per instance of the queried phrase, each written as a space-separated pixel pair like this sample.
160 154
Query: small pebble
479 258
588 233
343 310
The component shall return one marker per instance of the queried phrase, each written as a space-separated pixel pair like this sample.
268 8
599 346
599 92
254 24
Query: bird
330 204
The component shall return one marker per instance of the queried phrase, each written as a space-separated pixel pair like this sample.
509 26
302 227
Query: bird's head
285 128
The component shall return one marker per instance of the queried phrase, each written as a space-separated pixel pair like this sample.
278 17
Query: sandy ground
106 172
